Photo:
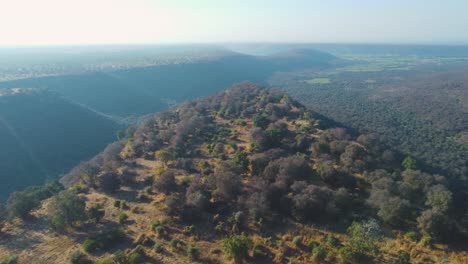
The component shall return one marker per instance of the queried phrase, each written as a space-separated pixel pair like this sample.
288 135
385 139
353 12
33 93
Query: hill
42 136
247 175
82 100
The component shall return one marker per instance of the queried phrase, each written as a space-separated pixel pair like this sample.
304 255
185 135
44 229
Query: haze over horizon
64 22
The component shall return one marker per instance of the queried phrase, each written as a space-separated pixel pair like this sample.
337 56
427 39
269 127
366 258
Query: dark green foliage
104 240
364 237
412 235
136 256
409 163
333 241
21 203
12 259
319 253
175 243
166 182
173 204
403 257
241 159
97 212
108 182
158 248
192 251
261 120
346 255
237 247
65 209
435 223
79 257
122 218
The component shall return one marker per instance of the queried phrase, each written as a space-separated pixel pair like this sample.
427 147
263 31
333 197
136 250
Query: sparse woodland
245 176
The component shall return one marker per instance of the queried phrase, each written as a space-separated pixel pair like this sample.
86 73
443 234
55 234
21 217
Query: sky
71 22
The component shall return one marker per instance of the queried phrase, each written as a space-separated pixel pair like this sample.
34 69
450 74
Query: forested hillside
76 114
247 175
420 111
43 136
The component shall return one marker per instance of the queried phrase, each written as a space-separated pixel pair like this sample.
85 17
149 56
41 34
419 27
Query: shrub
412 235
192 251
297 241
64 209
122 218
403 257
313 244
261 120
12 259
259 251
172 204
319 253
90 245
346 255
96 212
165 182
160 230
175 243
116 203
333 241
79 258
426 240
240 158
104 240
164 155
109 260
237 247
108 182
19 204
158 248
136 257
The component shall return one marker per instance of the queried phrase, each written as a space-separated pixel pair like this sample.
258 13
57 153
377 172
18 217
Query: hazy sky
33 22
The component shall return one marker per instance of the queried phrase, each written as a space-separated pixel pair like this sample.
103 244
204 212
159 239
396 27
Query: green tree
241 159
164 156
409 163
20 204
237 247
97 212
65 209
364 237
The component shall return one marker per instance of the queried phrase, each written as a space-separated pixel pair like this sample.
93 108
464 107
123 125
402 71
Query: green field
319 81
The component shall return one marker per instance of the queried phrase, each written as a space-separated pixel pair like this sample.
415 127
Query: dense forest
420 112
248 175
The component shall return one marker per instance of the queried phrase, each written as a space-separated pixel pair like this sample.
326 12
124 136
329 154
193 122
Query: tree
364 237
108 182
96 212
394 210
261 121
439 197
241 159
237 247
409 163
164 156
434 223
65 209
19 205
166 182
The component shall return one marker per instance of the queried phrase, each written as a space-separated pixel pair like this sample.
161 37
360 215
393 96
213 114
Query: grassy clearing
319 81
